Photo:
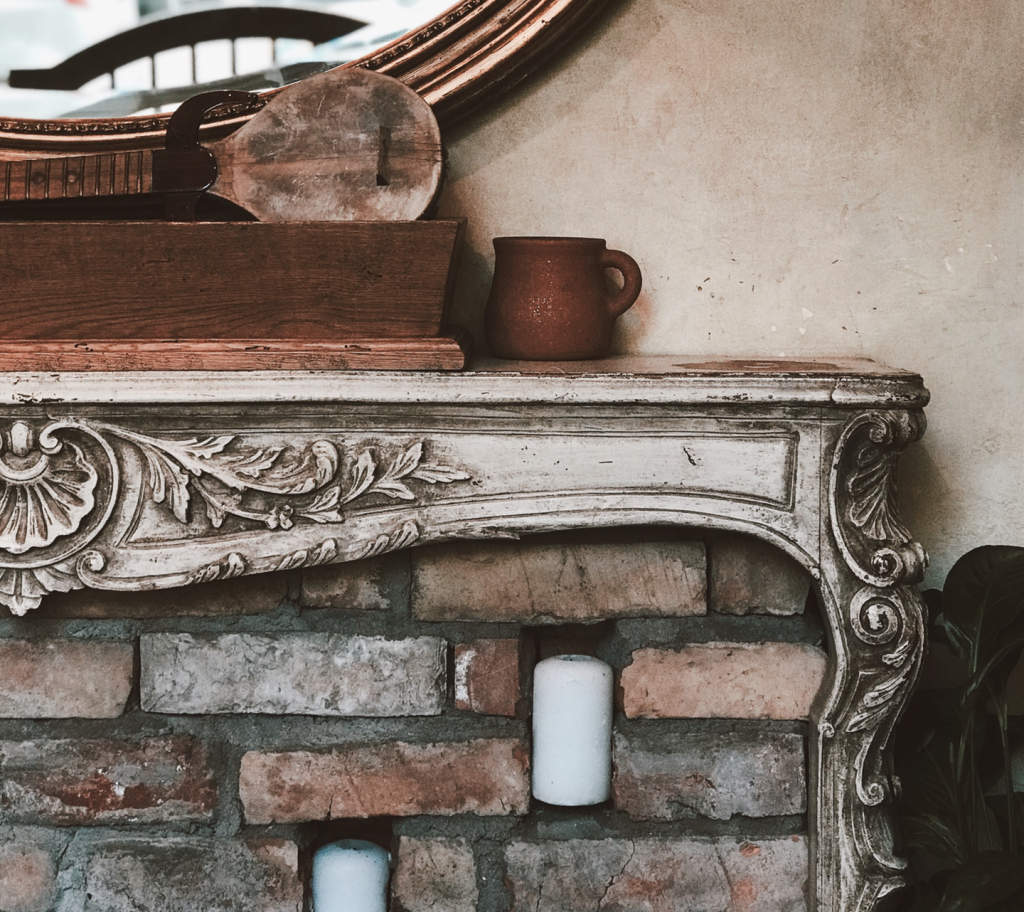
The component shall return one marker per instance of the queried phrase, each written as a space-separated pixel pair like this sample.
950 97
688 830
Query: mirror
458 57
114 58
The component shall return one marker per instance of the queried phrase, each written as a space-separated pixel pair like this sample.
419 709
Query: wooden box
228 295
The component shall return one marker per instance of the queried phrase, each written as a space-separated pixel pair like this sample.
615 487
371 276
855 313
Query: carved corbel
879 623
863 506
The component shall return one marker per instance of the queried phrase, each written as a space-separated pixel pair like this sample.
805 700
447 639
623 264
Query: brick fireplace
278 610
226 731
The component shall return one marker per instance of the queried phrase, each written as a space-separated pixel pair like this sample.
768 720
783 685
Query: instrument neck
105 174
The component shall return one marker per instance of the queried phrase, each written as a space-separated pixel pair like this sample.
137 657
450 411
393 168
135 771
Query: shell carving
45 491
872 486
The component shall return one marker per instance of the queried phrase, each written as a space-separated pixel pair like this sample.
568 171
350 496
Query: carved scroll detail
863 499
59 487
888 637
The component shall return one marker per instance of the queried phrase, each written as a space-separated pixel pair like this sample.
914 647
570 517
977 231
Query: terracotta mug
549 300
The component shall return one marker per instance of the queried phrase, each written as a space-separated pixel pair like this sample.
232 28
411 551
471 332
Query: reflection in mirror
114 58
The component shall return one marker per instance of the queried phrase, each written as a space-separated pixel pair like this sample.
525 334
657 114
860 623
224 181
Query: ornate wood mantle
150 480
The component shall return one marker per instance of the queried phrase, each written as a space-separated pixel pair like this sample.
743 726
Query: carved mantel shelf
135 481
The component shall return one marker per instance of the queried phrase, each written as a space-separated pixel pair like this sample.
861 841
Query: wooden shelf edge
449 352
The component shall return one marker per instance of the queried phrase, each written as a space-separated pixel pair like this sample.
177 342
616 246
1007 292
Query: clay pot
549 300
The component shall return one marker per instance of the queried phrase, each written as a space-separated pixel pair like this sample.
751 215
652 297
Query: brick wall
188 750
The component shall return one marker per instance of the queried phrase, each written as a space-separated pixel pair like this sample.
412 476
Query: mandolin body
348 144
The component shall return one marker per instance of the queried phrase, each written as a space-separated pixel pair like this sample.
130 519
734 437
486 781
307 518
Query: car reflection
37 35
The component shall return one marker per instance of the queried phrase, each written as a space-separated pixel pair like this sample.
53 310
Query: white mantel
133 481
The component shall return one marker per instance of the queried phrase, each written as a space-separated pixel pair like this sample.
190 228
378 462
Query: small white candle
572 731
350 876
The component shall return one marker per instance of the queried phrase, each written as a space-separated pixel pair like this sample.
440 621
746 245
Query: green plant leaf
986 879
934 603
982 597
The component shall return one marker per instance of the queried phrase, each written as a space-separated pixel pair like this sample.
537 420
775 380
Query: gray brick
186 874
652 875
309 673
435 875
672 775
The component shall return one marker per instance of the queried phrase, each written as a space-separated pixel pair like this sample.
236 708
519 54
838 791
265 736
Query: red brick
512 581
485 777
749 576
62 679
657 875
487 677
724 680
189 874
28 877
374 584
256 594
435 875
81 782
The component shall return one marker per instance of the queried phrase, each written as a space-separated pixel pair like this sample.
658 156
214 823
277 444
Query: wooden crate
228 295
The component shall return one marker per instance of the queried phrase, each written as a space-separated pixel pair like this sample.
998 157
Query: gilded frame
459 62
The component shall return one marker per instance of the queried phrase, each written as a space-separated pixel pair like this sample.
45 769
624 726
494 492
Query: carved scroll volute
863 499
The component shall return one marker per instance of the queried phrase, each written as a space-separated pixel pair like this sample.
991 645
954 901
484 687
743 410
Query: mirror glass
115 58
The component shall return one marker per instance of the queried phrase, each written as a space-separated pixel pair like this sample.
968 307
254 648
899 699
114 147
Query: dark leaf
933 602
982 597
986 879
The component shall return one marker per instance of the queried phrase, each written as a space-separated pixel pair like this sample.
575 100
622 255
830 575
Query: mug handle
632 280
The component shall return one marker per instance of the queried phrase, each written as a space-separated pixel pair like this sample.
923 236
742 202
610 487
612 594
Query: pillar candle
572 731
350 876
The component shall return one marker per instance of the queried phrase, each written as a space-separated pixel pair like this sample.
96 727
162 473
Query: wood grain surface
155 281
442 353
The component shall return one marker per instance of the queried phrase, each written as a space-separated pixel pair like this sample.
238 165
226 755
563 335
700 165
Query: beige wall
798 178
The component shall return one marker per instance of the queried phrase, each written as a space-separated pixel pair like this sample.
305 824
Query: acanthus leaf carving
326 552
22 589
402 537
221 470
863 501
233 565
59 487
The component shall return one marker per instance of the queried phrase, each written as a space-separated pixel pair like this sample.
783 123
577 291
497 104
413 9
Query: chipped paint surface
462 664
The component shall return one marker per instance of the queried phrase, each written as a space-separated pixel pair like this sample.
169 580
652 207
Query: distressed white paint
337 467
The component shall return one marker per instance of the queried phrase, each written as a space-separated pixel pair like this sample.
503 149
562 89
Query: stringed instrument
347 144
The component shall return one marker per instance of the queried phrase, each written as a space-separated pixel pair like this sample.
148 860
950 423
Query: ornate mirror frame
459 62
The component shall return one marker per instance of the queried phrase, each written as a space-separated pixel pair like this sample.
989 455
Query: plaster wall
796 178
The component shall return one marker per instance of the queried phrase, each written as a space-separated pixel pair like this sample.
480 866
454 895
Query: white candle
572 731
350 876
